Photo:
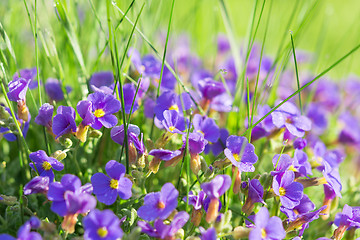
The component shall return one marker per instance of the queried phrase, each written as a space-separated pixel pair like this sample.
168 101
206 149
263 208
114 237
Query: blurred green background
330 29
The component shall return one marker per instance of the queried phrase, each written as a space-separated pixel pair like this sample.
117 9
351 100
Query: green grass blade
296 70
162 64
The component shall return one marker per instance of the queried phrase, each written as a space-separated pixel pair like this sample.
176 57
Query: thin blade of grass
162 64
296 70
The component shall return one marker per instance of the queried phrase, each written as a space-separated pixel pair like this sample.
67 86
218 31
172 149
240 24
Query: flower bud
81 132
212 211
154 165
59 155
69 222
195 163
94 133
196 216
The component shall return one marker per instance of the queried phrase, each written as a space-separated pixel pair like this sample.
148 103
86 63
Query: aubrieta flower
241 153
209 234
24 232
266 227
53 89
218 146
290 192
210 88
255 194
102 82
24 125
164 231
17 93
103 107
349 217
69 199
288 116
100 225
159 204
107 188
64 121
59 192
174 122
164 154
44 164
329 196
44 117
84 108
37 185
300 143
206 126
28 74
305 206
170 101
214 189
129 91
196 145
17 89
196 201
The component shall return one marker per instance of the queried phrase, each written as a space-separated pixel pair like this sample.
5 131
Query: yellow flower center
172 128
282 191
102 232
263 233
322 180
161 205
292 168
201 132
46 166
236 156
114 183
174 107
99 113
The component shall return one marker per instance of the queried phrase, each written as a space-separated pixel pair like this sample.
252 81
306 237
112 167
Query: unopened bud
81 132
204 165
59 155
94 133
195 163
241 232
196 216
180 234
66 142
213 210
154 165
132 153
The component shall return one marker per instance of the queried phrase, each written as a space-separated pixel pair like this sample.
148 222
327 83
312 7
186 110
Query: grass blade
296 70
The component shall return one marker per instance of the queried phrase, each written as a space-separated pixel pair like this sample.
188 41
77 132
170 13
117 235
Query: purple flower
18 89
255 194
164 154
103 107
170 101
117 135
267 228
159 204
44 164
196 201
348 218
28 74
103 82
318 116
300 143
302 221
218 146
350 133
69 197
129 91
241 153
37 185
305 206
44 117
53 89
223 44
164 231
210 89
100 225
196 142
107 188
332 178
64 121
206 126
214 189
84 108
281 163
173 122
301 164
288 116
24 125
24 232
209 234
290 192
